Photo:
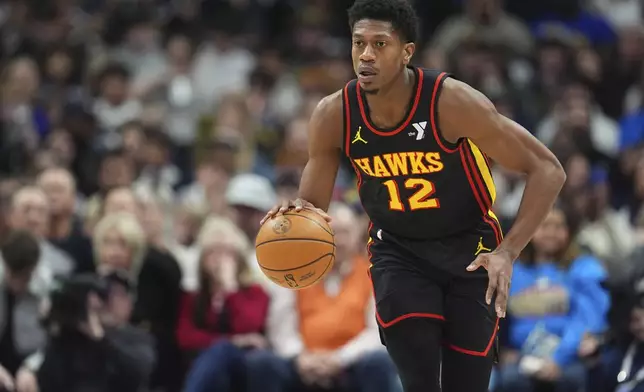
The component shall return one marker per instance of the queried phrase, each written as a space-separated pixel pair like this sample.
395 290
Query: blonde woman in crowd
120 242
223 322
188 219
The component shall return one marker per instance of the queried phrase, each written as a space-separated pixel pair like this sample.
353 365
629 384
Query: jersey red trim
365 117
483 353
347 120
432 114
487 198
477 195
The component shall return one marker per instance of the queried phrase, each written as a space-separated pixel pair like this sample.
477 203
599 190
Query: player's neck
399 90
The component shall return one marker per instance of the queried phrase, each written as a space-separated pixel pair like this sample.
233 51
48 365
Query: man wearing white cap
250 196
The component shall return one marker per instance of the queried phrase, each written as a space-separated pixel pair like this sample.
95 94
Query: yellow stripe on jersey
492 215
484 170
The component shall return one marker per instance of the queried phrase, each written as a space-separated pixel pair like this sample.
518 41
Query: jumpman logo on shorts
358 138
480 247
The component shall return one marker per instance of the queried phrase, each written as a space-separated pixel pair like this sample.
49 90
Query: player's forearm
541 191
318 180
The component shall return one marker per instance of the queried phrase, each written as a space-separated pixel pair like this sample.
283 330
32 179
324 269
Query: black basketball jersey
412 182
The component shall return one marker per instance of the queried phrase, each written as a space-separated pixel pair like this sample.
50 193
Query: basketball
295 249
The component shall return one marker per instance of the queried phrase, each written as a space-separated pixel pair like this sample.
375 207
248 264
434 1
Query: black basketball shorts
428 279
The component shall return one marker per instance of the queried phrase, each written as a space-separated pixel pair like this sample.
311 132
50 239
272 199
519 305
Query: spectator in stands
212 174
65 229
294 152
158 175
120 242
155 221
21 333
491 24
249 196
116 170
8 186
621 363
555 299
578 121
60 144
287 184
315 349
188 220
113 108
101 353
222 323
133 142
30 211
121 199
600 232
26 123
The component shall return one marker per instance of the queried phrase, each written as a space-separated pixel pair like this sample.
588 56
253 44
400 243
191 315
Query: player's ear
408 52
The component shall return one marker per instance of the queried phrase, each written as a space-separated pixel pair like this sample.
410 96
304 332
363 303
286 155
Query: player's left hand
499 270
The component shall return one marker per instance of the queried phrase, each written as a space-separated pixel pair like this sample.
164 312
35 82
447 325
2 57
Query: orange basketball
296 249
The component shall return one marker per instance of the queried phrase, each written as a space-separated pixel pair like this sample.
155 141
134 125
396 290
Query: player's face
378 53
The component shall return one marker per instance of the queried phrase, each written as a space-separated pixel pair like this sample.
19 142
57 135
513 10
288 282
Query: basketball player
419 141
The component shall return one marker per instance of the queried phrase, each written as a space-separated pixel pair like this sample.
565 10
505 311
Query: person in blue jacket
556 298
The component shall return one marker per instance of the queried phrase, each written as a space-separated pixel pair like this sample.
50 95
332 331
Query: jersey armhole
443 143
346 113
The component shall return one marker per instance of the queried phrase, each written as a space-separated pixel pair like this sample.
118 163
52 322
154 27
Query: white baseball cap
251 190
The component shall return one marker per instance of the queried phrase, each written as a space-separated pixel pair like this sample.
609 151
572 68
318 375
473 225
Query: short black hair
20 251
399 13
116 70
157 137
108 155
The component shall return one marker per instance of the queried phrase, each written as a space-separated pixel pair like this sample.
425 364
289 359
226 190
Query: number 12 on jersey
421 199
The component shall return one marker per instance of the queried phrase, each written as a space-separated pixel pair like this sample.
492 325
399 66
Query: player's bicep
467 113
325 138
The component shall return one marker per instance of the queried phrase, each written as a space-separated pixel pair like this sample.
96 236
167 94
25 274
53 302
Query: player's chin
369 87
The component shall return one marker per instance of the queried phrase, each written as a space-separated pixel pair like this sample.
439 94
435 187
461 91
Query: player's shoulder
327 120
456 95
332 103
329 109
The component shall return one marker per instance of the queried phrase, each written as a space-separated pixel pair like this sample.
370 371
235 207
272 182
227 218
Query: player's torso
412 182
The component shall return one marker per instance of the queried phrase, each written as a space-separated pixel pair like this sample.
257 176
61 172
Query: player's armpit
325 144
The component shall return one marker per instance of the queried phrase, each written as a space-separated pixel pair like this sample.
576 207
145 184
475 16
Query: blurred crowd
141 142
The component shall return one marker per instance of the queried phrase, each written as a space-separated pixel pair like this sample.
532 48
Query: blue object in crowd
595 28
632 130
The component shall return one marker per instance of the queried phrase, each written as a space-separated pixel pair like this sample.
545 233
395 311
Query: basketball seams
295 239
289 242
320 276
311 219
328 265
298 267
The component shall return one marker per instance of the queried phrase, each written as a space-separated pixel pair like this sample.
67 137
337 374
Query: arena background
143 140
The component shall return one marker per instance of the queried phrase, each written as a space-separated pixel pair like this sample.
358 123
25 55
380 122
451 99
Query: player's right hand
298 204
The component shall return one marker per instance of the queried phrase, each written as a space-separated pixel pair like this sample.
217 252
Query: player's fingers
299 204
491 287
286 204
503 288
476 264
269 214
323 214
